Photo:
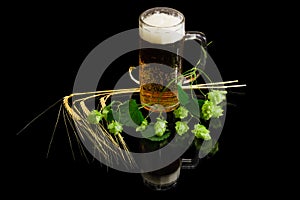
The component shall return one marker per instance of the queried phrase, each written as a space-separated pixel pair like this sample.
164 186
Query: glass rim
166 10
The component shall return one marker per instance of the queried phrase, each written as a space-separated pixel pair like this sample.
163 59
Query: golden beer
159 69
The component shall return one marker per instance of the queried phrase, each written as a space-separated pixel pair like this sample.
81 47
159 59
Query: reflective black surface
52 44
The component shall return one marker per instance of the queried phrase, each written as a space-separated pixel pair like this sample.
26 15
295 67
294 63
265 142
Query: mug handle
201 39
131 76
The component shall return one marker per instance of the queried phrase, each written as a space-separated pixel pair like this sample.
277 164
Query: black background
47 46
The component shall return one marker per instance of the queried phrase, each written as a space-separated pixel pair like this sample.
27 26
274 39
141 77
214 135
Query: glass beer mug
162 35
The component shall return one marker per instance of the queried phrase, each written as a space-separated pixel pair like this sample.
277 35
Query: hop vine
128 114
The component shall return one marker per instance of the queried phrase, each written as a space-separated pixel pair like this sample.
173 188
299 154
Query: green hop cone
105 111
217 111
181 127
143 126
94 117
181 112
160 126
201 131
207 110
115 127
217 96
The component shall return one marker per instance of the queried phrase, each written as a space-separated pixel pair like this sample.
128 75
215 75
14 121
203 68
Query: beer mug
162 35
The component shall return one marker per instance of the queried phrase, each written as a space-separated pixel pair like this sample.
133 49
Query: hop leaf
181 112
115 127
182 95
128 113
105 112
200 131
160 126
94 117
216 96
181 127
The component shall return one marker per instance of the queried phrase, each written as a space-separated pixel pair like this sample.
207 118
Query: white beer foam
162 28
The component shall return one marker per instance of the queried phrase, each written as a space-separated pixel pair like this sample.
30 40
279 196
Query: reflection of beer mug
162 35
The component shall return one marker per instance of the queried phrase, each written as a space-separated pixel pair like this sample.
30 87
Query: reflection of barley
111 148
